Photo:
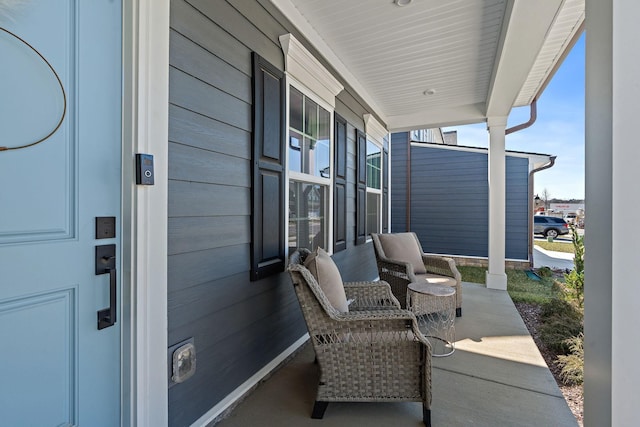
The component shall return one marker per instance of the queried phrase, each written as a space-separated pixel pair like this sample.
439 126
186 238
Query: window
309 149
292 174
374 187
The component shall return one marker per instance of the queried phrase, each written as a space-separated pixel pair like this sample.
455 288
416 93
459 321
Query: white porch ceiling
479 57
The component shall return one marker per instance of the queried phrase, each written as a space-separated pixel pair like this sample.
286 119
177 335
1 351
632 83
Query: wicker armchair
400 272
375 352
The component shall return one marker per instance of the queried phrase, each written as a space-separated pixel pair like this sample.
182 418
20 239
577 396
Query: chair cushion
403 247
328 277
436 279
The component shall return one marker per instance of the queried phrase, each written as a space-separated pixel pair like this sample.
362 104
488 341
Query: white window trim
376 134
303 177
304 72
376 190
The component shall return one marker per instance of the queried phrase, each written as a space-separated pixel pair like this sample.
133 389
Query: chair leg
426 416
318 409
459 312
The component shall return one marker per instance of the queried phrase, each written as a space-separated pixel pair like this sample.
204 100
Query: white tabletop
431 289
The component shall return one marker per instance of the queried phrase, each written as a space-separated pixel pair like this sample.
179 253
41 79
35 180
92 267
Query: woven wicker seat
400 272
373 353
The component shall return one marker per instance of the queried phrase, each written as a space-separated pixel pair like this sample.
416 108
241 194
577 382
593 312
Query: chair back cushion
403 247
320 264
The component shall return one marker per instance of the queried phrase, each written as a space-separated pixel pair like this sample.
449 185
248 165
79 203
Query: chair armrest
396 267
402 323
441 265
376 295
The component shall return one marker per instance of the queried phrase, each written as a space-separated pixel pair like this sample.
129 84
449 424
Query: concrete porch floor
496 377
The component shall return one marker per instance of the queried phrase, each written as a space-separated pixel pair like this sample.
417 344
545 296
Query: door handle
106 263
107 316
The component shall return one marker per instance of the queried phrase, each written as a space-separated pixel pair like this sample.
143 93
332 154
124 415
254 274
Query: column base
496 281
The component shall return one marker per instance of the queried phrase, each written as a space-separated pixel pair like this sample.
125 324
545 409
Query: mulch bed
530 313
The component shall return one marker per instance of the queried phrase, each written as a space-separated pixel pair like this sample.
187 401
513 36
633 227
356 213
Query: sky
558 130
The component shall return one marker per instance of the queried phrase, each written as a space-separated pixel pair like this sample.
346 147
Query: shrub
561 321
544 272
557 307
573 364
574 281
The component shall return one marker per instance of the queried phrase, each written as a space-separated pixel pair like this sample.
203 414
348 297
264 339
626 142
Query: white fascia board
300 22
527 25
535 159
305 68
374 129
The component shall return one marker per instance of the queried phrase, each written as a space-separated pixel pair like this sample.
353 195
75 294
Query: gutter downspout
408 206
552 161
532 119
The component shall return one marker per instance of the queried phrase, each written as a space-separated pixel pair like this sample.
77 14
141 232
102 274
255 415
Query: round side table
435 309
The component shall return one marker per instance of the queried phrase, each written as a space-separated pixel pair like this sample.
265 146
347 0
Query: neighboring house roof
537 159
449 63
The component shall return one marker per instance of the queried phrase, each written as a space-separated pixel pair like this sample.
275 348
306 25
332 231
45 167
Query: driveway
551 259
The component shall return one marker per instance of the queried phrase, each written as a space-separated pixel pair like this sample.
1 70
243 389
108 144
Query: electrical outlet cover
184 363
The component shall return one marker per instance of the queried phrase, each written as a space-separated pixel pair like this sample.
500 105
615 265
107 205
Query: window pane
324 123
295 109
309 144
310 118
319 158
308 207
373 213
295 151
373 165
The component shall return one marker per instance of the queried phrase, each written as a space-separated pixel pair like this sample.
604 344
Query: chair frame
373 353
399 273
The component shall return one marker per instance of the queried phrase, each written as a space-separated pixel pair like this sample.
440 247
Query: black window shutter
385 190
361 188
268 178
340 185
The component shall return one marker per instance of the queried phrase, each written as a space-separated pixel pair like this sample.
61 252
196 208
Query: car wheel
552 232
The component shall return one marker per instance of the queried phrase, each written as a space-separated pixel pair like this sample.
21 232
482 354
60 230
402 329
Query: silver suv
549 226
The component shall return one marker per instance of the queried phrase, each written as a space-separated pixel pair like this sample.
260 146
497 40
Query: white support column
625 256
598 307
496 277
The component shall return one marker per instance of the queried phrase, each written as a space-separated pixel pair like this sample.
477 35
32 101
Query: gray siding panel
192 94
238 326
517 209
449 201
195 130
194 25
198 199
228 18
398 182
188 234
199 63
195 268
194 164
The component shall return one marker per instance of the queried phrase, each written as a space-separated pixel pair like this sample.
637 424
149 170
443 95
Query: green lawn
521 288
555 246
